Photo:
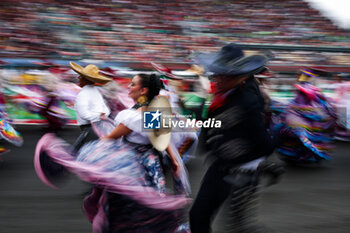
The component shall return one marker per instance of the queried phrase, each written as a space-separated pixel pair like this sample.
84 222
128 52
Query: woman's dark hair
153 83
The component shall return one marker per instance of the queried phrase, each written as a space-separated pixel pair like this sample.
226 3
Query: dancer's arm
174 163
119 131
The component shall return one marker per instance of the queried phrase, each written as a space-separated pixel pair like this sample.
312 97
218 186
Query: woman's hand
103 116
176 168
174 163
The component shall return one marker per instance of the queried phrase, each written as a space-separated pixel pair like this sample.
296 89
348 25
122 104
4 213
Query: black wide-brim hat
230 61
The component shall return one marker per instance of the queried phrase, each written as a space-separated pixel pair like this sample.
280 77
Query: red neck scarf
219 100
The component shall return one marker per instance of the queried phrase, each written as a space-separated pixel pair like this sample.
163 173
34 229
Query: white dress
130 186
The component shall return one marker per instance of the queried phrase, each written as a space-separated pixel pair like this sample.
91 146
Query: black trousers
214 191
87 135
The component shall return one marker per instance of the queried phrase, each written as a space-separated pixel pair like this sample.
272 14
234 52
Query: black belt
82 127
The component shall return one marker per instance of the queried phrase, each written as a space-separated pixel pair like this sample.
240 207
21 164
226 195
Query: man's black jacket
242 136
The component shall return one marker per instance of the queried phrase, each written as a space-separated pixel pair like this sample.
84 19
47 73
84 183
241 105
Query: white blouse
132 119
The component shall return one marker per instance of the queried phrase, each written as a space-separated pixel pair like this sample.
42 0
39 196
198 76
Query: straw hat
90 72
160 138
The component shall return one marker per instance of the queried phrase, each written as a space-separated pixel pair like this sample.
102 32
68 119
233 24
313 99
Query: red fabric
212 87
218 101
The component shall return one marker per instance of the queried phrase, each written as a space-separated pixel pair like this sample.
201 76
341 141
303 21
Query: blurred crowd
144 30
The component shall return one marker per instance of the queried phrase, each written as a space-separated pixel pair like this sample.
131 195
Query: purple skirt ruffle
121 200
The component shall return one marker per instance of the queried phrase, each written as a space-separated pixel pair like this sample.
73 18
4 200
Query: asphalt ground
308 199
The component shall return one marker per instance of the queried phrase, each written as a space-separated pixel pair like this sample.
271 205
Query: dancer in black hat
239 146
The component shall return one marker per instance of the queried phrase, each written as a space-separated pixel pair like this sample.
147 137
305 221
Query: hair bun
155 81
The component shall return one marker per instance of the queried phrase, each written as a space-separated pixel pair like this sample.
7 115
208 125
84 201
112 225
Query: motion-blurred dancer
308 125
89 104
343 105
54 119
143 89
238 146
129 194
7 131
